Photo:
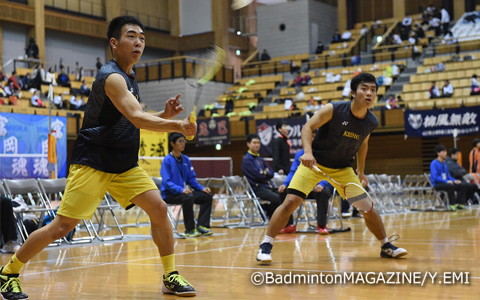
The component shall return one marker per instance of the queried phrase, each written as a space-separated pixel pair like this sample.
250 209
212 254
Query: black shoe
264 255
176 284
10 287
390 251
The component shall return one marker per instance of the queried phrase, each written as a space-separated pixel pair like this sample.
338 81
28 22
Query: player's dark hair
360 78
115 26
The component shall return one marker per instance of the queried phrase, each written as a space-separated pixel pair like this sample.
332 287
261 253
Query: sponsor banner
24 146
213 131
445 122
152 144
267 133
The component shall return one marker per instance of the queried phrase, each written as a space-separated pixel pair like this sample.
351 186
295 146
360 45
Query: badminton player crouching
343 131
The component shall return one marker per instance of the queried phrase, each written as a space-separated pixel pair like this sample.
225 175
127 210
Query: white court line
71 258
360 240
440 221
132 261
137 259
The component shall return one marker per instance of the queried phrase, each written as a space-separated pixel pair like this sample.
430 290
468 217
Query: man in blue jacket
442 180
259 175
180 186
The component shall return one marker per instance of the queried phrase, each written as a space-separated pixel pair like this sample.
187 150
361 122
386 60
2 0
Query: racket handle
192 119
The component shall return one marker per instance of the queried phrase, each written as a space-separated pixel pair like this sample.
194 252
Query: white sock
268 239
383 242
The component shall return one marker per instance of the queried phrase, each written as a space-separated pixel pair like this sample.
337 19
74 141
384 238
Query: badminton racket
350 189
203 71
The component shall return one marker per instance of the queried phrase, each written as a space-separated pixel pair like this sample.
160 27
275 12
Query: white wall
14 43
323 17
294 39
152 54
306 22
73 48
195 16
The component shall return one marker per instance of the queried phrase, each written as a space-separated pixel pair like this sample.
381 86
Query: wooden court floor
443 245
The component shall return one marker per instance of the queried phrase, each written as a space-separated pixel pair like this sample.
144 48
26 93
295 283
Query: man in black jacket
281 150
259 175
460 173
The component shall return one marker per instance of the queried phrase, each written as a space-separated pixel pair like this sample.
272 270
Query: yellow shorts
87 186
305 180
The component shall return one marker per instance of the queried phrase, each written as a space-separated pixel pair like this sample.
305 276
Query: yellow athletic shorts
305 180
87 186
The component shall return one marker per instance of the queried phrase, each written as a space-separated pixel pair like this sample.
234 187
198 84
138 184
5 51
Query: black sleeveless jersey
107 141
338 141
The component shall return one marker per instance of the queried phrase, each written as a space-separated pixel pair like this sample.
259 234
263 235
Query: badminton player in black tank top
344 130
105 159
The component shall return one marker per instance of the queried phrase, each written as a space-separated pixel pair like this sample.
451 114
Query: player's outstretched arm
116 89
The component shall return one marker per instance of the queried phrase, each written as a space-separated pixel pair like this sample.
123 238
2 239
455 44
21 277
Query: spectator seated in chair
180 186
36 101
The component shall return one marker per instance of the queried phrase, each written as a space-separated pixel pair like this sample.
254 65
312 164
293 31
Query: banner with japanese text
444 122
24 145
267 133
213 131
153 147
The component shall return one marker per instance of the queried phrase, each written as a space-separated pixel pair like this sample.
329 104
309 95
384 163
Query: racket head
207 65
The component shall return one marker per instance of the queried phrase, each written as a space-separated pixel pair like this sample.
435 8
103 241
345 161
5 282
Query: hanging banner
436 122
152 144
213 131
24 145
267 133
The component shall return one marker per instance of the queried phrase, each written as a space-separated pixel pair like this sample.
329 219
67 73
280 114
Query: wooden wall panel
17 13
371 10
73 24
178 68
153 72
166 71
418 6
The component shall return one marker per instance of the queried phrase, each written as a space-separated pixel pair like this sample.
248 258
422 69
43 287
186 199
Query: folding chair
53 190
379 193
432 199
29 191
173 216
394 187
99 220
218 187
244 199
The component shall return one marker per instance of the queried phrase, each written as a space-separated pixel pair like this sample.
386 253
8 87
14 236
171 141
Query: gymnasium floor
221 266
